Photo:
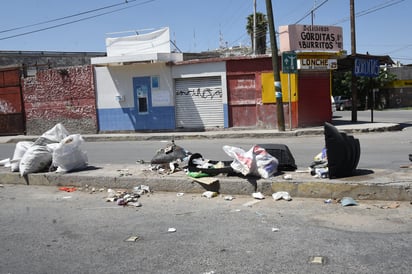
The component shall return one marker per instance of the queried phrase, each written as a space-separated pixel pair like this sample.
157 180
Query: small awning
133 59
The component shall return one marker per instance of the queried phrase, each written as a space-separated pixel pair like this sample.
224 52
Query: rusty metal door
243 100
11 103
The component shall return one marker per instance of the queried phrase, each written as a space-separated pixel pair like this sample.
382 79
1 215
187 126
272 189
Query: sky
197 25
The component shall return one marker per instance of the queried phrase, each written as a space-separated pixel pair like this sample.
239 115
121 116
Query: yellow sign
268 87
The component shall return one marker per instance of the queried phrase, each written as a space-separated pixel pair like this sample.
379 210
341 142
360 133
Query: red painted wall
245 93
314 105
65 95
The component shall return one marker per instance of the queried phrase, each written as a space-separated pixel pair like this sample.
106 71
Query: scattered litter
197 174
258 195
123 198
171 153
180 194
209 194
251 203
135 204
142 189
229 198
275 229
67 189
132 239
281 195
171 230
348 201
328 201
288 177
67 197
322 172
209 272
392 205
317 260
124 172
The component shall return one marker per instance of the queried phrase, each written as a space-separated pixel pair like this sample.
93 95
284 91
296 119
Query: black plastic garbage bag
343 152
283 154
171 153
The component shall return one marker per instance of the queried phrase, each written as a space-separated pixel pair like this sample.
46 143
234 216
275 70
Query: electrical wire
370 10
66 17
75 21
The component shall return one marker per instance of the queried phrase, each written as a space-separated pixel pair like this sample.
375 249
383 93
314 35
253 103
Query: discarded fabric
258 195
348 201
209 194
281 195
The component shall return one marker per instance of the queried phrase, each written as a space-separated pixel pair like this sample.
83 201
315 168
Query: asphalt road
384 150
44 230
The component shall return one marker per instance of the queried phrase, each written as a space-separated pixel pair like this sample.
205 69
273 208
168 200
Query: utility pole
353 55
254 27
275 66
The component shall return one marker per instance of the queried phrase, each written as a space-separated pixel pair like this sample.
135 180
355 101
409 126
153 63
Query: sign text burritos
310 38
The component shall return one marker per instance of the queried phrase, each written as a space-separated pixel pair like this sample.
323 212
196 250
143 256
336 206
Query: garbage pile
55 150
340 157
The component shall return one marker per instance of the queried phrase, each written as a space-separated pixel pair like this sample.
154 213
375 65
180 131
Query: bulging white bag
68 155
256 161
35 159
19 150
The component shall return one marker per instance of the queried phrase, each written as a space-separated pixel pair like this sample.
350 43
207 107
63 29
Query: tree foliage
261 30
341 83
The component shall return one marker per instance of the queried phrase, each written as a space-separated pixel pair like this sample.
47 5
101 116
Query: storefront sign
310 38
366 67
317 64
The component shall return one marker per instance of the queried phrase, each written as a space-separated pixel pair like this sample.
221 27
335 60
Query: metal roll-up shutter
199 102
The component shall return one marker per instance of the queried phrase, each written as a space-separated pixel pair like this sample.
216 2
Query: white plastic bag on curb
53 135
37 158
256 161
68 155
19 150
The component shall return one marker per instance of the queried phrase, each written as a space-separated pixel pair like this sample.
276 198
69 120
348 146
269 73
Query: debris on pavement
124 172
275 229
281 195
258 195
172 153
171 230
123 198
348 201
391 205
68 189
209 194
142 189
228 198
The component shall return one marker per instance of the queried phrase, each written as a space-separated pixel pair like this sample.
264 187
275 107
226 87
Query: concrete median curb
377 185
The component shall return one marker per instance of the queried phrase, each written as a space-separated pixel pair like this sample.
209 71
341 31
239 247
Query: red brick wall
64 95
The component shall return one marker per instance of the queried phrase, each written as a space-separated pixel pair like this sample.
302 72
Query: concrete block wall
61 95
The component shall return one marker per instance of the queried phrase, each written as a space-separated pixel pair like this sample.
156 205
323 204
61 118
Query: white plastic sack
68 155
19 151
256 161
53 135
36 159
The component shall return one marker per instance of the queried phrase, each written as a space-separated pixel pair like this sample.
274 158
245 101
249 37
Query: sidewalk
366 184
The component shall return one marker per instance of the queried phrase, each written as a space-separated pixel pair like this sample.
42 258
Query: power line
65 17
75 21
371 10
311 11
